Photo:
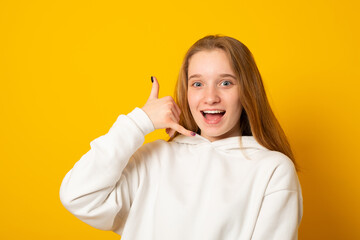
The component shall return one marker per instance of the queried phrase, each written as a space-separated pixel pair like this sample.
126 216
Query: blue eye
196 84
226 83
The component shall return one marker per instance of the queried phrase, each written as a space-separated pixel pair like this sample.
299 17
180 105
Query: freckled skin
211 88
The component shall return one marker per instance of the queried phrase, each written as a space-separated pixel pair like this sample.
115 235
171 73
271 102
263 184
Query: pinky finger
171 132
182 130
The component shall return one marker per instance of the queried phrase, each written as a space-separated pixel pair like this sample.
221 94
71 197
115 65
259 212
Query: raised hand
164 112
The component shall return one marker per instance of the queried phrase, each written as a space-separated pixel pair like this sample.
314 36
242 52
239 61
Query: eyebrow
221 75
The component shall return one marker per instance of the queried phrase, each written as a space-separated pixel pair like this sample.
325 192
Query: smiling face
213 95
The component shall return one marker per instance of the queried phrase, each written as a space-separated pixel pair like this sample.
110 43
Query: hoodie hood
231 143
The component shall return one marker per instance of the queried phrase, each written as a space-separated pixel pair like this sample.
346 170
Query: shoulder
281 172
277 160
157 145
158 149
277 170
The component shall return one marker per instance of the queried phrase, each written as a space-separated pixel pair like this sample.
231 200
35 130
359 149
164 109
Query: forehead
209 62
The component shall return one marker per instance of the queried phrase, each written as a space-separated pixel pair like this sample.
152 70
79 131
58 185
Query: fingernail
193 134
152 79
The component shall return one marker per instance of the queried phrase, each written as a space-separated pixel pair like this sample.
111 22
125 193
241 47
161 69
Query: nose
211 95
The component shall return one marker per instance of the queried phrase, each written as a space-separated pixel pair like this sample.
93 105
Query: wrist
142 120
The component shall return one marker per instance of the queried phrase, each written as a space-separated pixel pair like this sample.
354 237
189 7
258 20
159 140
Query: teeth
213 112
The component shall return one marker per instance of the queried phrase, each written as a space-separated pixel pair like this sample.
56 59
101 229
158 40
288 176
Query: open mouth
213 116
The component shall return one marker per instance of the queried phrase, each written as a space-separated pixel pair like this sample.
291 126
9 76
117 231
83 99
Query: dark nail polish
152 79
193 134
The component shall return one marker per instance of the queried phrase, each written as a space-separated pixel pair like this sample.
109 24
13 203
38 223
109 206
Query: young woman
227 171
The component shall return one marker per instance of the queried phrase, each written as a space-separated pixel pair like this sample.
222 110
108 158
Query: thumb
155 88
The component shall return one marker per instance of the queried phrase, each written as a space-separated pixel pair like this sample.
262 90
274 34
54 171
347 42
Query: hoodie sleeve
281 210
100 187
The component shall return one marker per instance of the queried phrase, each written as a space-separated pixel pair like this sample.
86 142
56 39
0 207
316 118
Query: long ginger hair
257 119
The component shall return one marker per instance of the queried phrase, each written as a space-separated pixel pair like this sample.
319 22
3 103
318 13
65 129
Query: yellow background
69 68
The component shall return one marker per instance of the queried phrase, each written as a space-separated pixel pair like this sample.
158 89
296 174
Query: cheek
192 100
233 100
234 97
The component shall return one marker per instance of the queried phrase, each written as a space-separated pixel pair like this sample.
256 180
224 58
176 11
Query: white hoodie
189 188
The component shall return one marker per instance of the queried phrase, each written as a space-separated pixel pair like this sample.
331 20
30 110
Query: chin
213 134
